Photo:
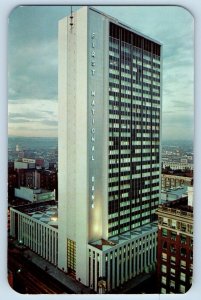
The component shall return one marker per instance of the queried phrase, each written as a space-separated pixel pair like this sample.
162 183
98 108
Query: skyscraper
109 148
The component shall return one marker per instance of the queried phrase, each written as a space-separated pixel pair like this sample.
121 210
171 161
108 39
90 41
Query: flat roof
126 26
180 204
122 24
173 193
122 238
45 212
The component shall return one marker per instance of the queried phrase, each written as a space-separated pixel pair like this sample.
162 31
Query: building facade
173 181
175 246
109 141
35 225
34 195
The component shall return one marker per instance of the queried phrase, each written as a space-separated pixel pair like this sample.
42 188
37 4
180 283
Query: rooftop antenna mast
71 17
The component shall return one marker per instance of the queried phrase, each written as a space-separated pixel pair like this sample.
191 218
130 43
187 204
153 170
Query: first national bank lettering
92 109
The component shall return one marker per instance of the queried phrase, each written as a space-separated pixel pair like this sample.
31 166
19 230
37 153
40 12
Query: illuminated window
71 255
164 268
182 276
182 288
163 279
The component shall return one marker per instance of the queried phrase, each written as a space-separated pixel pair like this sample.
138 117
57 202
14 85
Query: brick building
175 246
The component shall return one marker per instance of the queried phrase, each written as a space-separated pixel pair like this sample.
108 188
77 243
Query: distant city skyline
33 66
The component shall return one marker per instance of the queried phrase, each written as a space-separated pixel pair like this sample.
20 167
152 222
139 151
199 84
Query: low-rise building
36 226
34 195
173 181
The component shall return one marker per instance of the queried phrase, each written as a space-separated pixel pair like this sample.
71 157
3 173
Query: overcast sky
33 69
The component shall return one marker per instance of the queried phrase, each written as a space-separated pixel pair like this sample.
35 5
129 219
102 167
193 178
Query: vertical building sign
92 116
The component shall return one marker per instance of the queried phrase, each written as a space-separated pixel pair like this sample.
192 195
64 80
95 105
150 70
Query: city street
29 279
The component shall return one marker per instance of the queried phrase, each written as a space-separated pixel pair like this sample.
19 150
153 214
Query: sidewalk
75 286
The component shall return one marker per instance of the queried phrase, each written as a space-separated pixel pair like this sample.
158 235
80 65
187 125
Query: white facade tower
109 145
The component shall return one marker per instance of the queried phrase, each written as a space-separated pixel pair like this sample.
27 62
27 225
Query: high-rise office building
109 148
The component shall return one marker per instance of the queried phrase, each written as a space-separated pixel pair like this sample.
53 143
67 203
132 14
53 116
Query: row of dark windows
128 61
137 155
133 80
132 83
141 98
135 106
133 192
123 77
117 140
117 64
128 181
137 52
121 227
133 88
115 76
111 175
117 155
140 69
140 110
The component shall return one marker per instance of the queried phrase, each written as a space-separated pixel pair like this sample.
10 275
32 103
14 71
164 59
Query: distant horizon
56 137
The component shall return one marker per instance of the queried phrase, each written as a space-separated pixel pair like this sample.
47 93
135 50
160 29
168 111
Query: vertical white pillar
56 248
91 268
122 265
126 262
113 268
108 271
138 255
36 238
96 275
46 244
118 267
130 262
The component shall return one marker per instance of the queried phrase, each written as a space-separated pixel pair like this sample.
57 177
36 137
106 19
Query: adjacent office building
109 149
175 245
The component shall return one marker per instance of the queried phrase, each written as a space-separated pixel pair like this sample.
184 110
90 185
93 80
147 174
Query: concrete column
130 262
91 269
46 244
33 236
30 234
108 270
134 264
42 240
138 267
52 246
149 249
96 275
19 227
113 267
55 247
118 267
126 263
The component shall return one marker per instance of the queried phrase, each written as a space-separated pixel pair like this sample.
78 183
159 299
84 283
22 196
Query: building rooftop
122 24
179 208
173 193
126 26
181 204
122 238
46 212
